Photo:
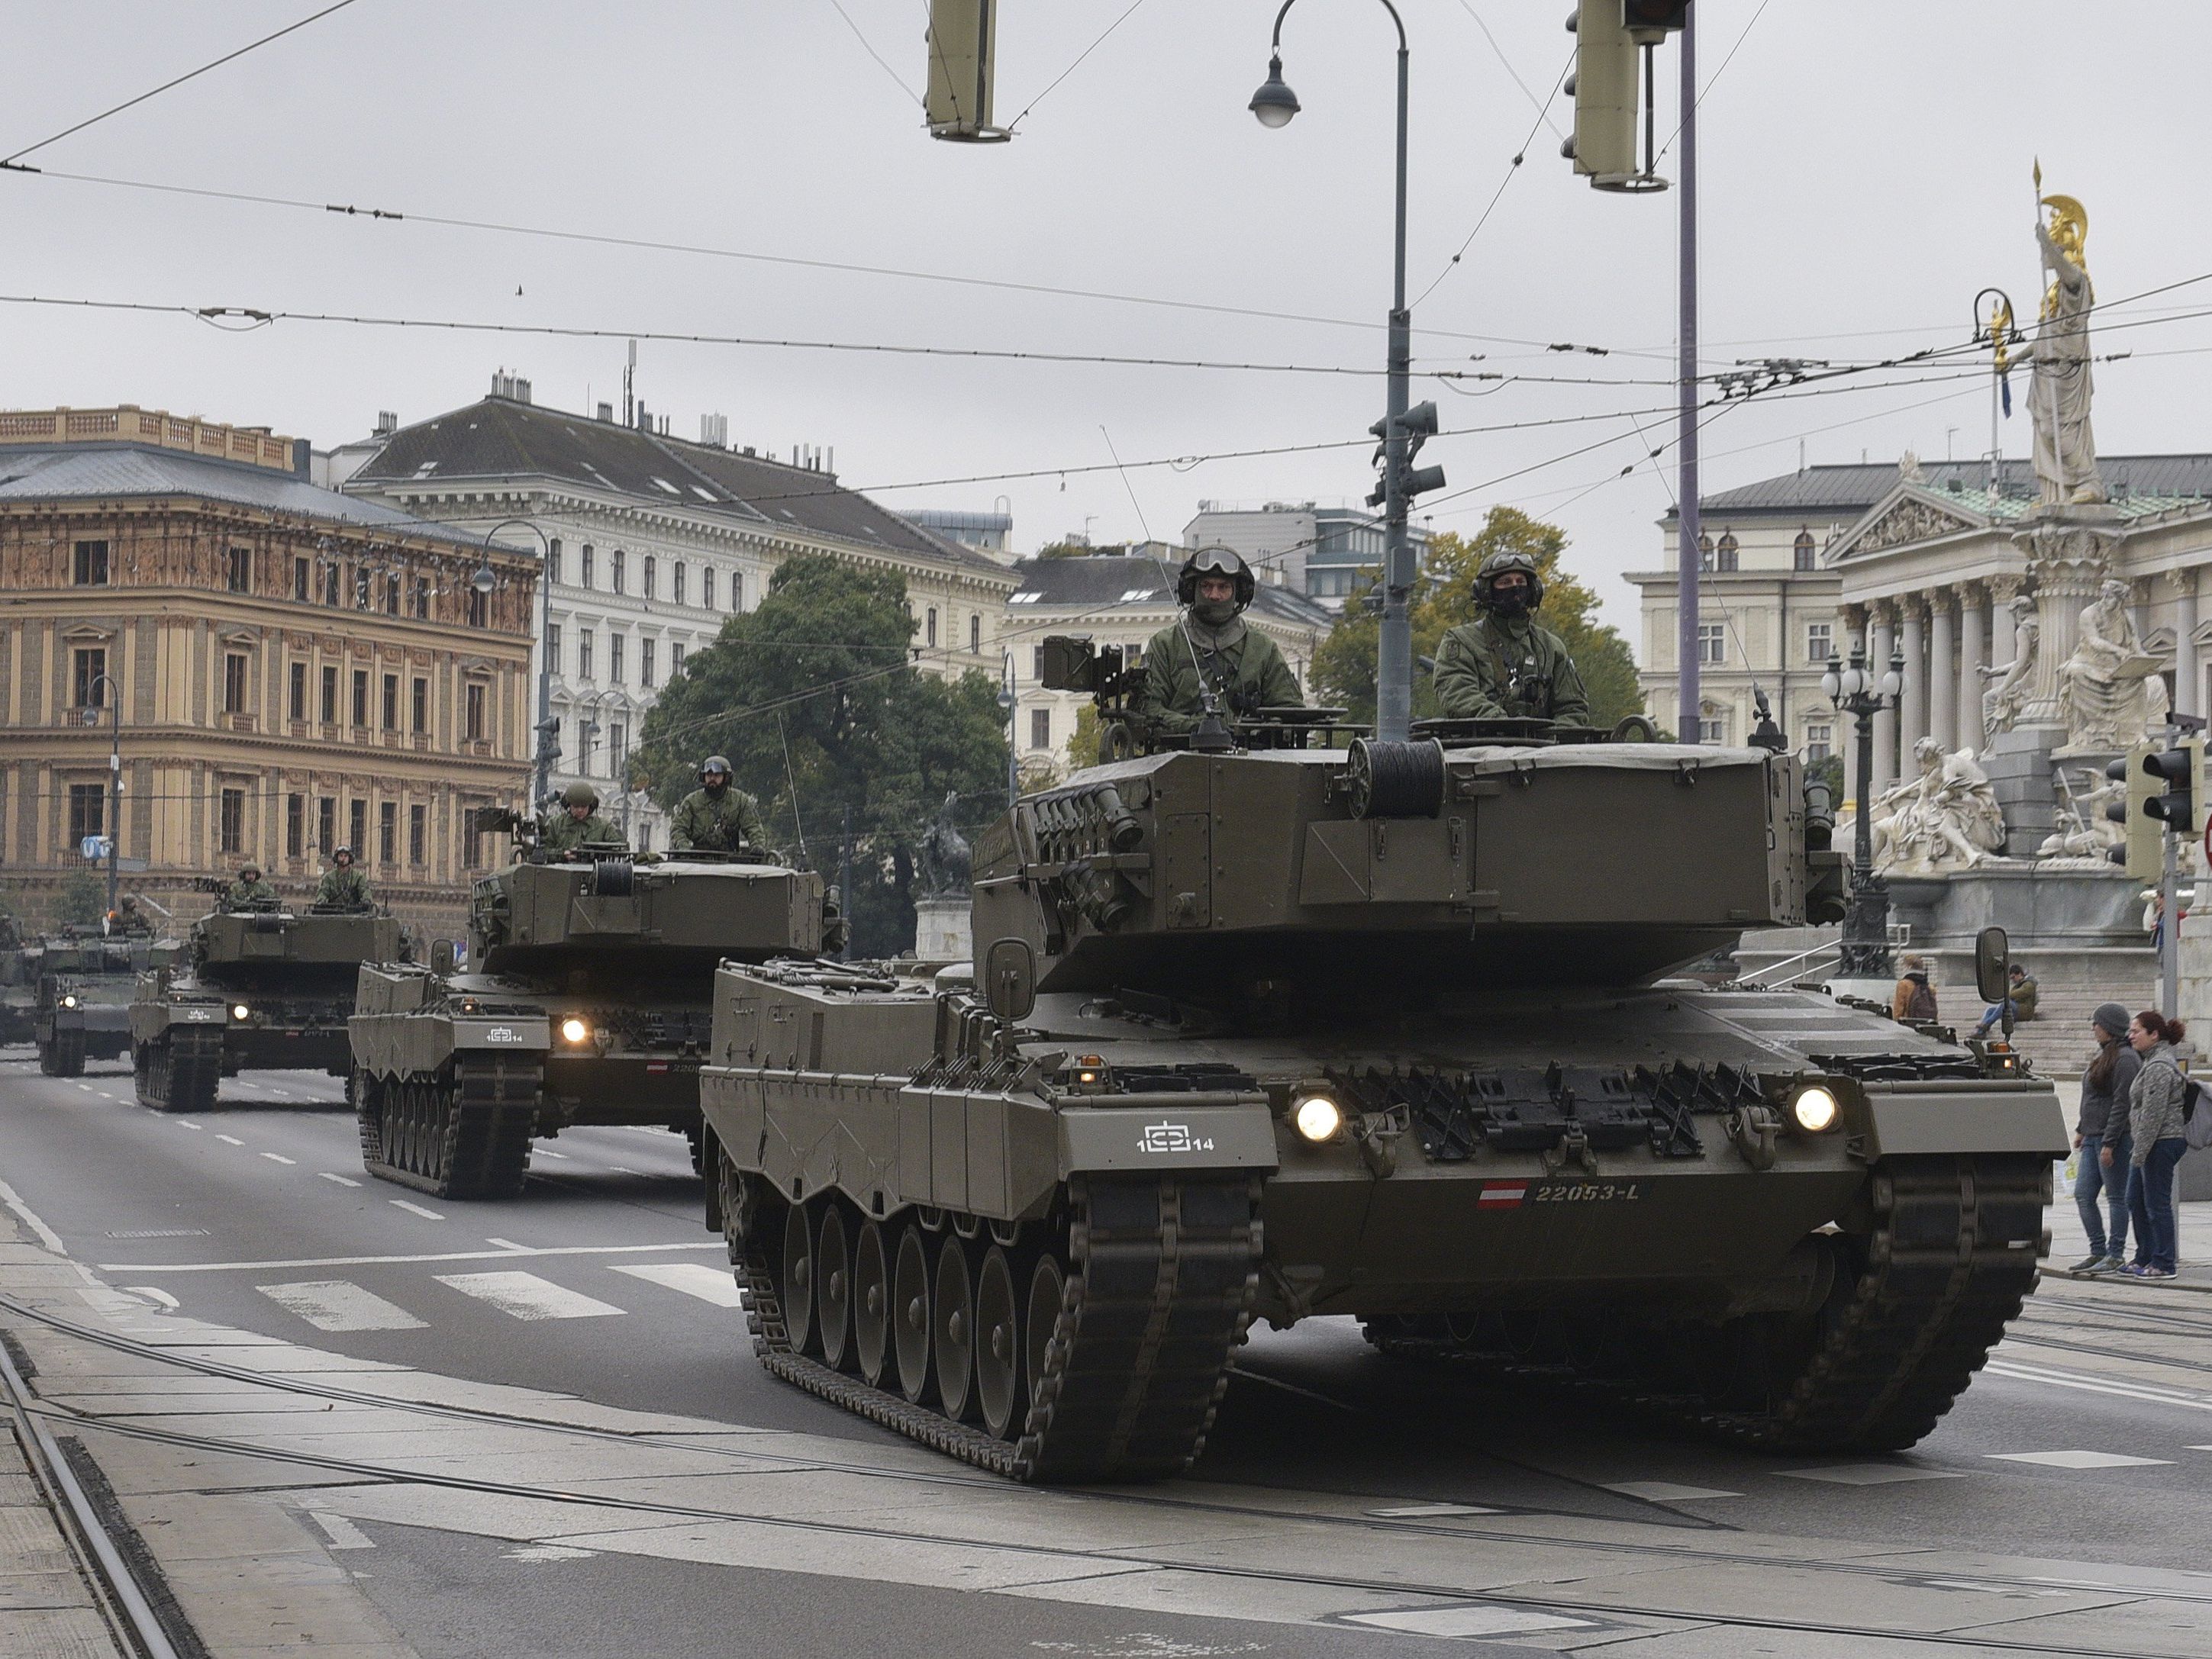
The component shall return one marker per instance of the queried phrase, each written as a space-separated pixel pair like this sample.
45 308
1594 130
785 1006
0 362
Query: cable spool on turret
1396 780
612 878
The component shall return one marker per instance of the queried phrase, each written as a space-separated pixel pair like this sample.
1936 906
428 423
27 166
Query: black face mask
1511 603
1215 613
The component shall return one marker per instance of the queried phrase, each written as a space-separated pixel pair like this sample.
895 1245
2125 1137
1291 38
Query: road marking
527 1295
1665 1491
2127 1391
279 1158
181 1124
621 1169
506 1245
1424 1512
1869 1475
714 1284
343 1180
378 1261
230 1140
546 1552
87 1088
333 1305
47 1235
547 1152
153 1293
343 1534
2079 1459
413 1208
1469 1621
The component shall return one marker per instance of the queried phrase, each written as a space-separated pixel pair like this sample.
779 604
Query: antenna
629 377
791 779
1209 726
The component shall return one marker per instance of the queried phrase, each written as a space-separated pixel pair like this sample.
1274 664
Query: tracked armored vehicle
1385 1033
82 984
19 986
589 1001
259 989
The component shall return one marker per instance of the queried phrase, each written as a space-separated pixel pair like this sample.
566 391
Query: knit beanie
2113 1019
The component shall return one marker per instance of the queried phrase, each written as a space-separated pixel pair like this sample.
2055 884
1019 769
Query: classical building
1120 597
1319 551
650 544
293 668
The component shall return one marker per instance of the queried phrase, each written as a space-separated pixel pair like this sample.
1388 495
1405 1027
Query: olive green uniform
1240 665
1494 669
246 894
344 888
717 821
562 834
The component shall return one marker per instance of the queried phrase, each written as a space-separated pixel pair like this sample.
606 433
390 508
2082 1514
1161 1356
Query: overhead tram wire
1073 66
1512 171
839 6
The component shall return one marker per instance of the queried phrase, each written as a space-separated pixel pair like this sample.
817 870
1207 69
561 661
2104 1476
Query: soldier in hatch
1212 648
1503 665
344 887
248 892
715 818
577 825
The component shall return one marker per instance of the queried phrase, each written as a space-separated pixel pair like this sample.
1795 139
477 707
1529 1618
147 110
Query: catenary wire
1512 171
1074 66
838 5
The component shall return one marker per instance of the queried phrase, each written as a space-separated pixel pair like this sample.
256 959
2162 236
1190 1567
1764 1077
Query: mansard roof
1849 490
1108 581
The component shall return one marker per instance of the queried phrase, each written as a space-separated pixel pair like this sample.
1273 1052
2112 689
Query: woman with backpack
2158 1136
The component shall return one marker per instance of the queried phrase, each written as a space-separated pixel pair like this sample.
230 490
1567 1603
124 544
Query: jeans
2090 1177
1992 1014
2150 1202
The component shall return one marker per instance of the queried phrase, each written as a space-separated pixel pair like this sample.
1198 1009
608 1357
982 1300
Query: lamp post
1008 706
548 750
113 696
1854 691
1274 104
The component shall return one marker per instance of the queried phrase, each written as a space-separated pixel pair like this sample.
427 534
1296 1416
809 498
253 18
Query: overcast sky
1866 171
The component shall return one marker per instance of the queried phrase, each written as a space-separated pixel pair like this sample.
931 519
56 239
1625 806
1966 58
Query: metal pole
114 787
1394 667
1687 722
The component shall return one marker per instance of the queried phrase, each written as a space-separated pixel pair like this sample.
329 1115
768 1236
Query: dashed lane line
413 1208
343 1180
279 1158
2080 1460
230 1140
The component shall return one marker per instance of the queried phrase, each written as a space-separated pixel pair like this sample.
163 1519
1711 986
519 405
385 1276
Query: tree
826 720
1344 667
82 900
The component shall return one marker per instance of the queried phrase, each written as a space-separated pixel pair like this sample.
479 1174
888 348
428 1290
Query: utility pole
1686 556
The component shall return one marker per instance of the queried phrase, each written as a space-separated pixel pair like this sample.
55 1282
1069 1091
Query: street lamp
1274 104
1008 705
1854 690
548 749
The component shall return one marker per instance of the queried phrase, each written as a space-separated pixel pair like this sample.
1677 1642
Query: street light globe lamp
484 581
1274 103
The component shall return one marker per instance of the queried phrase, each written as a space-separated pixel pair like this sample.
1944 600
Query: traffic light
2181 769
964 62
1605 88
1417 426
1648 20
2141 853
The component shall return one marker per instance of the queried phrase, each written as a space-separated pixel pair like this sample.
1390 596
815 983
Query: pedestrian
2021 995
2101 1144
1914 999
2156 1130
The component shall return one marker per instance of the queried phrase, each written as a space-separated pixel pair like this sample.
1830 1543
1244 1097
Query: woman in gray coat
2155 1128
2101 1142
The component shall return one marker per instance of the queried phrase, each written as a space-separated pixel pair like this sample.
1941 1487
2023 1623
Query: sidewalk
2070 1243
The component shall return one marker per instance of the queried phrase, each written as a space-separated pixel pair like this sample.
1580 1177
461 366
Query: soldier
715 817
1503 665
344 888
248 892
1212 648
577 825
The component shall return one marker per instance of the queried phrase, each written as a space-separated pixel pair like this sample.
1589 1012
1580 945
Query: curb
2122 1278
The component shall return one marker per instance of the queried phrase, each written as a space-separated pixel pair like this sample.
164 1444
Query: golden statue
2059 400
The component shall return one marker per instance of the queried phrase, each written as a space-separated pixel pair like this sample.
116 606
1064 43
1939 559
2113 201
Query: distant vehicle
82 981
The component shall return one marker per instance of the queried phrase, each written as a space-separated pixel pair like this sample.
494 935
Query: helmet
1214 561
714 763
341 851
246 872
1497 565
579 793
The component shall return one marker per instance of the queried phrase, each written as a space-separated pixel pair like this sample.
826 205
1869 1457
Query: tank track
181 1070
465 1133
1917 1305
64 1055
1160 1278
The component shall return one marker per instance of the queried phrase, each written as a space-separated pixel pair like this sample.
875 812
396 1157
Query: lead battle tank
588 1001
259 988
82 982
1283 1032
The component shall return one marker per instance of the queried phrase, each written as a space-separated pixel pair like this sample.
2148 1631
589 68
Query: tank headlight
575 1030
240 1010
68 1002
1815 1109
1317 1118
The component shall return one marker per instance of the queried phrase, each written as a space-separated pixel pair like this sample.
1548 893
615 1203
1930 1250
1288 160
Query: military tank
82 984
588 1001
1384 1031
260 988
19 982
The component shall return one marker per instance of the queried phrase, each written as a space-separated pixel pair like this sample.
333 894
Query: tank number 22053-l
1512 1194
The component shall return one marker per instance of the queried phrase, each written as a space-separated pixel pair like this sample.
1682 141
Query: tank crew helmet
711 765
248 872
580 794
341 853
1215 561
1518 599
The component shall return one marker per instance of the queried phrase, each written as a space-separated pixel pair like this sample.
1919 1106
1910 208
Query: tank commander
1211 649
343 887
715 818
249 891
1504 665
577 825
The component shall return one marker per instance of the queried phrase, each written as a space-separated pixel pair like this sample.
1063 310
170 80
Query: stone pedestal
2019 765
941 928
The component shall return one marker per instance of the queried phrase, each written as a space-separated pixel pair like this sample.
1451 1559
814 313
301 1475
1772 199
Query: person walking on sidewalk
2155 1128
2100 1141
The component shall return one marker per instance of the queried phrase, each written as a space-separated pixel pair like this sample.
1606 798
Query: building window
361 587
422 598
1725 555
645 662
618 750
297 702
553 561
330 697
330 581
88 685
618 570
737 590
584 654
302 580
231 823
391 594
471 841
615 644
295 826
234 682
975 635
933 625
585 731
361 696
584 574
648 575
418 835
327 824
707 586
675 658
553 647
421 704
1712 642
1819 642
391 703
475 729
88 808
91 566
242 570
357 824
1820 744
676 582
1712 727
1040 728
1801 551
387 833
1704 552
479 607
1036 662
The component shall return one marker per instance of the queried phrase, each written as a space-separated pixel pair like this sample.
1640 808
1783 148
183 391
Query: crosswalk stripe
335 1304
714 1285
2078 1460
527 1295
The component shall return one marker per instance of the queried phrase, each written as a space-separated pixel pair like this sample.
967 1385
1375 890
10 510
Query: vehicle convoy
19 981
589 1001
82 982
259 988
1277 1032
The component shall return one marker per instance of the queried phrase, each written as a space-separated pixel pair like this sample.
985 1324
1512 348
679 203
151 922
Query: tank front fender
1961 1115
1119 1133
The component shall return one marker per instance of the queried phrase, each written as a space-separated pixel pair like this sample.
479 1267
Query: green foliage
1083 746
82 900
1344 667
814 698
1064 551
1830 772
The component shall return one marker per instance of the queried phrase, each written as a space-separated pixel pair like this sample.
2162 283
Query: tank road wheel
833 1286
910 1321
64 1056
872 1304
463 1134
1048 1297
696 1135
952 1330
142 1072
999 1376
796 1287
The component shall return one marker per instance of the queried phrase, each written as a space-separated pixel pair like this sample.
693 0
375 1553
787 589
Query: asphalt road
601 1282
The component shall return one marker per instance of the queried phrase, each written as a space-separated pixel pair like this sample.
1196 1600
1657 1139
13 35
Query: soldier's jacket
717 822
562 834
1240 664
246 894
345 889
1492 669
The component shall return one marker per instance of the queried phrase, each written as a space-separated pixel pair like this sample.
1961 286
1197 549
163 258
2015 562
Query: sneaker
2113 1265
2143 1270
2089 1264
2155 1272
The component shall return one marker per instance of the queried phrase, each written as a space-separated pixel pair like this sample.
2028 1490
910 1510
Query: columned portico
1943 681
2188 673
1913 713
1885 723
1973 655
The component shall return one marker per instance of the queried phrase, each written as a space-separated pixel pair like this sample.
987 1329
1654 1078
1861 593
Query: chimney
387 422
521 389
714 430
607 413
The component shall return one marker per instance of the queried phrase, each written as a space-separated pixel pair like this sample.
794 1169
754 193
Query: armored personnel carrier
259 989
1386 1032
82 982
588 1001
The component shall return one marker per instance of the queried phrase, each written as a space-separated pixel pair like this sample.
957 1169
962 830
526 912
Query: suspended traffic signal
1653 18
964 62
2140 853
1606 90
2181 769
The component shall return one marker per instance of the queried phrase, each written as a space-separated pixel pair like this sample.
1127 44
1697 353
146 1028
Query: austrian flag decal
1502 1194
